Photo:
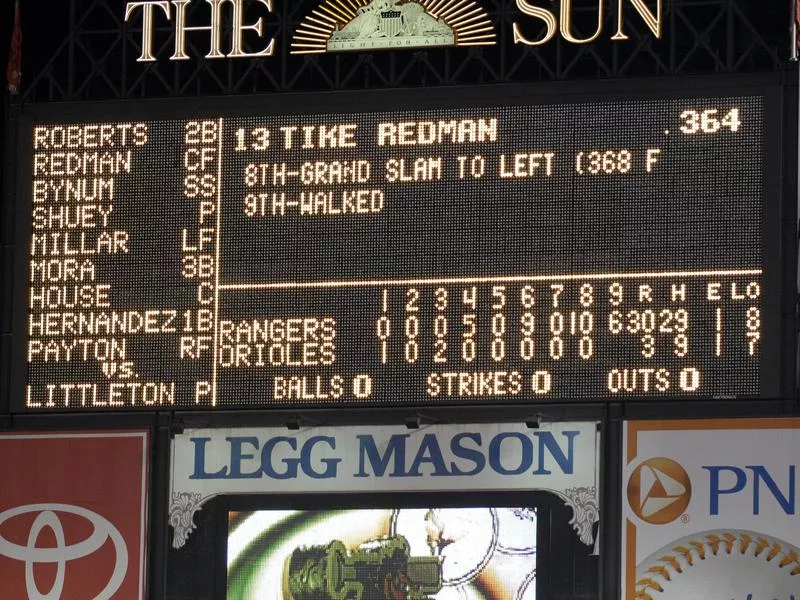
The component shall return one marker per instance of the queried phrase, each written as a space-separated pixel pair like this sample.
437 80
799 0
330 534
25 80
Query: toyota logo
61 554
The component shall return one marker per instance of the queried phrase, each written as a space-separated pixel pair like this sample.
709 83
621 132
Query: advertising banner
561 458
710 510
73 515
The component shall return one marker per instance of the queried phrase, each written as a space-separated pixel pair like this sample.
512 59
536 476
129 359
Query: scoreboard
404 248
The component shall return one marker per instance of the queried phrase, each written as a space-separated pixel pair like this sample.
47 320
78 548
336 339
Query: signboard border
629 441
146 437
581 491
778 281
343 501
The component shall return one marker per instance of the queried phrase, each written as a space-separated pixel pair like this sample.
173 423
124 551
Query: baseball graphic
465 538
516 531
721 565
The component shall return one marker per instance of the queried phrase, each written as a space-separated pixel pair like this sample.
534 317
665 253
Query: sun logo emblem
363 25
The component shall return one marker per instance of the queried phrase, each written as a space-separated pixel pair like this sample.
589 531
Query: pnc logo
659 490
32 553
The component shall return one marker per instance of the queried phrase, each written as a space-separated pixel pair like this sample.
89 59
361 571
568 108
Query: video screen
434 553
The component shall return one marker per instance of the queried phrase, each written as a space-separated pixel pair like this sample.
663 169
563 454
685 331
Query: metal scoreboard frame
778 234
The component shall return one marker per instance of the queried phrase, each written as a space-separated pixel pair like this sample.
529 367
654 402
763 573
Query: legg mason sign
366 25
560 458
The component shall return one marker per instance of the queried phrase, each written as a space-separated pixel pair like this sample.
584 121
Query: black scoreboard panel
390 249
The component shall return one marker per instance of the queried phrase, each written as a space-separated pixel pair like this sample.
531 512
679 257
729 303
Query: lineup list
509 254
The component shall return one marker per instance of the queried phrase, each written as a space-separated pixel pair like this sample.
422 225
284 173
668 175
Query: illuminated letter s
540 13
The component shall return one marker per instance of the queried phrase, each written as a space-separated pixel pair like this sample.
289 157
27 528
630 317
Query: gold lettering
239 27
652 21
540 13
147 24
181 28
566 23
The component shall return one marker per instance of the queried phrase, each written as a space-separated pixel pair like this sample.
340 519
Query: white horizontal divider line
460 280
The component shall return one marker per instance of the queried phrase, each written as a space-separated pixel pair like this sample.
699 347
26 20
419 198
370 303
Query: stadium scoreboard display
405 250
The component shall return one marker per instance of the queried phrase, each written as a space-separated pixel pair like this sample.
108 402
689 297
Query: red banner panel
73 515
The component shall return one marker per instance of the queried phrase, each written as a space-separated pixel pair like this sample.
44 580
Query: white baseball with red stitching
721 565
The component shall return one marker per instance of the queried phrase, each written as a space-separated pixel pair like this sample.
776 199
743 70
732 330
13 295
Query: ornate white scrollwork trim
181 515
585 512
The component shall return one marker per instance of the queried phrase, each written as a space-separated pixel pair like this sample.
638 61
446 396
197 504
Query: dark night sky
6 24
42 33
45 24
